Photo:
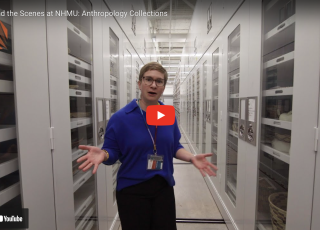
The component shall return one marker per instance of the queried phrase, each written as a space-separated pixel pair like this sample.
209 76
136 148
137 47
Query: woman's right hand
94 156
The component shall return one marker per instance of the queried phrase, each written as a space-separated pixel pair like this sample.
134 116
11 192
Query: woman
145 195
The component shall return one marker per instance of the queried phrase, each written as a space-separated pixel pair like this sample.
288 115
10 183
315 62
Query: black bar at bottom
200 221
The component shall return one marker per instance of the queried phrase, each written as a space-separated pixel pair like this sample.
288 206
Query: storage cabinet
215 105
205 107
176 96
116 71
79 35
283 165
194 108
71 89
273 180
48 86
197 104
128 70
227 57
114 93
10 193
277 97
137 79
189 107
233 114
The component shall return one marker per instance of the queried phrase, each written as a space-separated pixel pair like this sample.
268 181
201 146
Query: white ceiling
170 33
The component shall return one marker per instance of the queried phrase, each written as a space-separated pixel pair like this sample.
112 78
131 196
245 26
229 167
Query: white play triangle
160 115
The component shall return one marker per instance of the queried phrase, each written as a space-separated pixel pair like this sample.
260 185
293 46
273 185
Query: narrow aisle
193 198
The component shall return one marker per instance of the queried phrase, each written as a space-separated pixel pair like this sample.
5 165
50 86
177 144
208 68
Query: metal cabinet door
72 104
286 165
215 126
115 83
315 224
235 41
24 116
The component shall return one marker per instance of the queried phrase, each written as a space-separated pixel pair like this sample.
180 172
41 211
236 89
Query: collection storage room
243 78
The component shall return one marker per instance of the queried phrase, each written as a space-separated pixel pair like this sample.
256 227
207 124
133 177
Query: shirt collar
133 105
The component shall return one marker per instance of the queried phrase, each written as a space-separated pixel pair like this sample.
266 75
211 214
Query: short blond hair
153 66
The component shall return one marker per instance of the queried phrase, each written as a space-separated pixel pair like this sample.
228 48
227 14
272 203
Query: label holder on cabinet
101 121
248 120
208 111
242 130
251 120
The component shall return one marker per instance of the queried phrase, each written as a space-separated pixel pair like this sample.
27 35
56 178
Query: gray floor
201 227
193 199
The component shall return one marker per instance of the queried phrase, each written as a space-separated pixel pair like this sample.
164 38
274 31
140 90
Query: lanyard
155 136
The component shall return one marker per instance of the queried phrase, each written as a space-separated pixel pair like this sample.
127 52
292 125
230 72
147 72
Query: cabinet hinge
51 138
316 139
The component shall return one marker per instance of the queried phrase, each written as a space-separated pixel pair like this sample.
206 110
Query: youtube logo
160 115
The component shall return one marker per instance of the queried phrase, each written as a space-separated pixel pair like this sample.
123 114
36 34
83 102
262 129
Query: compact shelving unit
79 32
194 108
137 80
10 194
176 95
215 105
198 110
275 54
114 92
278 39
233 114
204 106
189 108
128 70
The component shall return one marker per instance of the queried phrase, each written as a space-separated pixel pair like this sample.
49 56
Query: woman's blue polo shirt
128 140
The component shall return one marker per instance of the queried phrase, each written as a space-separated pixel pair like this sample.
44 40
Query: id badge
155 162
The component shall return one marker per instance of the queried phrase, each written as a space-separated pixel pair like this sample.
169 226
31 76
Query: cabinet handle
78 93
80 152
77 77
83 180
277 123
79 123
281 26
77 62
238 75
279 91
75 30
277 154
280 59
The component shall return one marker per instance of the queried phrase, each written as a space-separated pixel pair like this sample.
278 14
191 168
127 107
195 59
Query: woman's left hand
204 166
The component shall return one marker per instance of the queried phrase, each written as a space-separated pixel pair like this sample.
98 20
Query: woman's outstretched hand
94 156
201 163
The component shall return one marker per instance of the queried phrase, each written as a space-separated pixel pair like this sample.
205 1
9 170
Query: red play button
160 115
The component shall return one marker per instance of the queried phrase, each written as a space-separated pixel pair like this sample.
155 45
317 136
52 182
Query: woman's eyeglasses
149 81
